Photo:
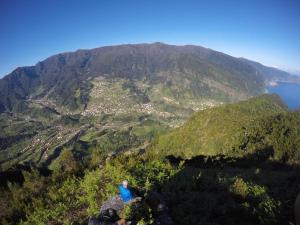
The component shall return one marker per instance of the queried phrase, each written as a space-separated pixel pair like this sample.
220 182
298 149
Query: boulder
115 202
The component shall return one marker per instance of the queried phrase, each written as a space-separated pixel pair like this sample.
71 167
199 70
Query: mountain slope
257 124
271 74
64 79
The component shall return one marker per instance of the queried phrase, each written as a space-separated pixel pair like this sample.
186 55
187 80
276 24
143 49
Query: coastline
277 82
288 91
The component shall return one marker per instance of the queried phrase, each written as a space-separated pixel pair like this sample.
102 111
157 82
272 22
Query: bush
265 208
92 192
65 164
139 212
240 187
60 206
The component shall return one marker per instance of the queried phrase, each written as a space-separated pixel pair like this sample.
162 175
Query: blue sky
265 31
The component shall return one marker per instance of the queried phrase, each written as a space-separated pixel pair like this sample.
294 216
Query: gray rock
114 202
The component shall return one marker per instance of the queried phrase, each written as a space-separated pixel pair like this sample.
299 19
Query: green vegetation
206 190
236 129
75 125
39 140
248 174
191 71
70 94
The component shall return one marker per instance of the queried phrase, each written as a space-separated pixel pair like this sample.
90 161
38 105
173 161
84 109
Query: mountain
103 97
271 74
189 73
261 123
186 77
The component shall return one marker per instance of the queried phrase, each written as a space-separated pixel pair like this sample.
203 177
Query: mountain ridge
134 61
145 43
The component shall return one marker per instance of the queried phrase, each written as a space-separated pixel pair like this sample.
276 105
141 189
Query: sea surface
289 93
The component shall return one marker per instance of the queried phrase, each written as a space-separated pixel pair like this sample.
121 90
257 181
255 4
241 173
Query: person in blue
125 192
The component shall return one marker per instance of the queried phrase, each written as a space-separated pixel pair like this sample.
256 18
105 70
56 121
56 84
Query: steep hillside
271 74
257 124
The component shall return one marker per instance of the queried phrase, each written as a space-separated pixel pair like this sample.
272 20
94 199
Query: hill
236 129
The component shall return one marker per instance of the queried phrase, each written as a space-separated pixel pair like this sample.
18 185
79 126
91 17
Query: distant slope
185 72
270 73
257 124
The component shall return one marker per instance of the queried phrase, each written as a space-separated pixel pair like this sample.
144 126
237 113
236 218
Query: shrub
65 164
240 188
139 212
265 208
92 192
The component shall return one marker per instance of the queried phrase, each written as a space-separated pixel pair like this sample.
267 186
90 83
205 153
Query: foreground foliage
250 176
203 190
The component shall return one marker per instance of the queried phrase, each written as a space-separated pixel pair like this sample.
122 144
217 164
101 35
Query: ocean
289 92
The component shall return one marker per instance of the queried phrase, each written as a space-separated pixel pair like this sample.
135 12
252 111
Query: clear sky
261 30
